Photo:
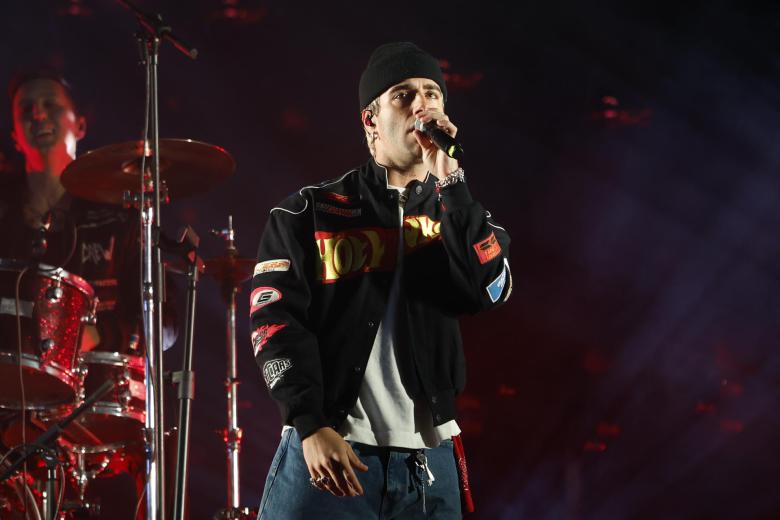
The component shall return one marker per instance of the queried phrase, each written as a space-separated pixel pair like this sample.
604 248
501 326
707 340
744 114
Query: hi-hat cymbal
187 167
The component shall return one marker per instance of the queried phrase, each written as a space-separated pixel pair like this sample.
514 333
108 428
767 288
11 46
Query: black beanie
392 63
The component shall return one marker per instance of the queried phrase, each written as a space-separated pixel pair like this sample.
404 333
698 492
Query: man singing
355 303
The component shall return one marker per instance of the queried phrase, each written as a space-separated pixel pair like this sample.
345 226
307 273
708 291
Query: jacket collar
377 174
376 177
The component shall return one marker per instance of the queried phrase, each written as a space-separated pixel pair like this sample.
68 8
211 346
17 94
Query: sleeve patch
487 249
262 334
496 287
263 296
281 264
274 370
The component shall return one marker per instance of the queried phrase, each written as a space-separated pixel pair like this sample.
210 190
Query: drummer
42 222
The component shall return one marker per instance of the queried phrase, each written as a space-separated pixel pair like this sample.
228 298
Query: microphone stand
44 445
152 33
187 247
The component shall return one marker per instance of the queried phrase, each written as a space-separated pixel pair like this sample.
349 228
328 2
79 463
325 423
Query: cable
28 495
144 144
8 453
140 500
21 374
21 492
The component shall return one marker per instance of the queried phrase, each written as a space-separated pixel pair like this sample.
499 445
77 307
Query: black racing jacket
320 288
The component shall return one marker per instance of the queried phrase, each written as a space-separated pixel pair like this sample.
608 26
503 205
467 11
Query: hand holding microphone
440 138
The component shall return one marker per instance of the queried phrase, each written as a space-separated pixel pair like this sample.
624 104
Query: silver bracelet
457 176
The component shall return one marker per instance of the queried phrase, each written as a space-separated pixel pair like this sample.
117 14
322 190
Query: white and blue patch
496 287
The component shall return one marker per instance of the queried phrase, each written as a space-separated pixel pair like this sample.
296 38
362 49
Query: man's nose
420 103
38 112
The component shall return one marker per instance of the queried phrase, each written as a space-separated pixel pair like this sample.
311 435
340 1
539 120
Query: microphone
441 139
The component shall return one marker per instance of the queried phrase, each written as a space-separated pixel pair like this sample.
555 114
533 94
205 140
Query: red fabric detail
338 197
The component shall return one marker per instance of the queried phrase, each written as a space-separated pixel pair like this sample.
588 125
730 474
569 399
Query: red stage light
74 8
606 429
507 391
596 363
468 402
610 101
732 426
234 11
595 446
456 81
730 388
293 119
702 407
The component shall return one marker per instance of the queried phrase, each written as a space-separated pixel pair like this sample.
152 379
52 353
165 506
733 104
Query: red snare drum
52 306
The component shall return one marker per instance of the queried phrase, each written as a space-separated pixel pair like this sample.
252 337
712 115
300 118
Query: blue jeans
395 487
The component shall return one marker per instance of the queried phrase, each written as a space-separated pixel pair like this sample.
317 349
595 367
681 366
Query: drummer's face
45 119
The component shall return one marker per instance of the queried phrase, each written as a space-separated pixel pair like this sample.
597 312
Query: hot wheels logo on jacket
354 251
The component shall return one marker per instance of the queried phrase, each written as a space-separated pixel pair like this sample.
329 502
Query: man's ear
367 117
81 127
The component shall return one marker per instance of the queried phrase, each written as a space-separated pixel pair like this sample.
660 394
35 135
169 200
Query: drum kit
71 417
44 376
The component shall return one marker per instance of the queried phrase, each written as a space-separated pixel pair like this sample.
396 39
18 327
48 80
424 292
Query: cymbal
231 270
187 168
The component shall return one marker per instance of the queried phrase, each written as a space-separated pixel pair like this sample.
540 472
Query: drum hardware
145 174
46 345
149 38
186 247
44 446
231 271
91 317
54 292
86 468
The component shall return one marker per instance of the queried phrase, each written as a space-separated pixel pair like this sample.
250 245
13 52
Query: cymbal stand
232 434
150 37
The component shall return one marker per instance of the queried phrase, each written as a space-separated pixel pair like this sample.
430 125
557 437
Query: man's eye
433 95
401 95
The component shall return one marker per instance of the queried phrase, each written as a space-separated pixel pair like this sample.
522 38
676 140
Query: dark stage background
631 152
